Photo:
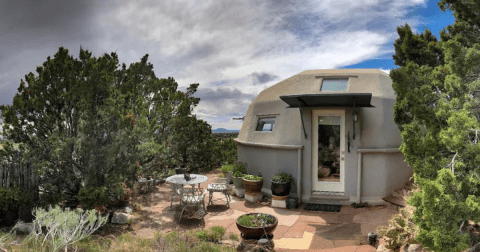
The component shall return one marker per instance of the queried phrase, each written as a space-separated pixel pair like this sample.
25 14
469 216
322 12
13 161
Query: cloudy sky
233 48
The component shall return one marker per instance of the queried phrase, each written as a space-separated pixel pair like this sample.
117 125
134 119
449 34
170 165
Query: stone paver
284 216
298 230
294 243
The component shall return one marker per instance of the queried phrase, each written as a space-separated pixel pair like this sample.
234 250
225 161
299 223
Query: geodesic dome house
333 130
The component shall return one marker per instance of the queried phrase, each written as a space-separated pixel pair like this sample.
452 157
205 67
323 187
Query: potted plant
256 225
252 183
282 183
239 170
227 172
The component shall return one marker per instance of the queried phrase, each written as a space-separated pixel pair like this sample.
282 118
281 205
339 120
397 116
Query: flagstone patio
297 229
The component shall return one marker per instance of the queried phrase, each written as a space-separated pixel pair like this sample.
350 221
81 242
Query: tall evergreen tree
89 124
438 112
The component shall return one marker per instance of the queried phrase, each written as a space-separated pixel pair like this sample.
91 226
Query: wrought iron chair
193 202
177 191
218 185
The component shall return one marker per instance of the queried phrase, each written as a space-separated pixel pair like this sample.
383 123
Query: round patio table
178 181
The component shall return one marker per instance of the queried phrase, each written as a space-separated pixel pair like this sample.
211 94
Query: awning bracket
303 125
353 118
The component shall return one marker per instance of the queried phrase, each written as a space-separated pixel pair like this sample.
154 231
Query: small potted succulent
282 183
252 183
227 172
256 225
239 170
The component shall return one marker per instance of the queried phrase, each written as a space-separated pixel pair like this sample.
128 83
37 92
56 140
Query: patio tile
345 218
366 248
319 242
280 231
224 223
339 231
347 210
226 215
319 217
380 216
294 243
285 217
296 231
369 227
343 243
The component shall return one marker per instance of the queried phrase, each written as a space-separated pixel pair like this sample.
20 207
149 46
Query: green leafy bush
90 197
283 177
212 234
227 168
9 199
239 169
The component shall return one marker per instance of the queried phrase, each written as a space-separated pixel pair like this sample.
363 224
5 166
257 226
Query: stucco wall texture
270 152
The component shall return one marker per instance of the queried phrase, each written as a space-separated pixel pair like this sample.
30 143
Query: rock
415 248
25 228
128 210
381 248
120 218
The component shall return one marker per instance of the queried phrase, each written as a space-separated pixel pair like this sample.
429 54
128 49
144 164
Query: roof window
265 124
338 84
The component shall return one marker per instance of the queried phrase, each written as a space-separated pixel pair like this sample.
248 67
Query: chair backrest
191 195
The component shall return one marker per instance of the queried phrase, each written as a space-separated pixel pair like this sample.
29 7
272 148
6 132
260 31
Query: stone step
325 198
395 200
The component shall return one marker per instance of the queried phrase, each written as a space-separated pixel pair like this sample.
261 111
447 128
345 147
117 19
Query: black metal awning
352 100
328 100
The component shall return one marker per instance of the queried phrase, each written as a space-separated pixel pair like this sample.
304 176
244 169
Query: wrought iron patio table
178 181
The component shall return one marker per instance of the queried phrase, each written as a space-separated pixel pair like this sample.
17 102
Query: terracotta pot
252 186
256 232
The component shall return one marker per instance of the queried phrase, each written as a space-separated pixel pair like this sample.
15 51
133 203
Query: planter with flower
256 225
252 184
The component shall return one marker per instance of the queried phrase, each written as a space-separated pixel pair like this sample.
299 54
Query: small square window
265 124
334 85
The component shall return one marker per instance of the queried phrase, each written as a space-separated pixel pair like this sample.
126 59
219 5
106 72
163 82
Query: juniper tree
90 123
438 112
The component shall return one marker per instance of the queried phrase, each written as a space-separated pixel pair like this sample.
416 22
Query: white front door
328 167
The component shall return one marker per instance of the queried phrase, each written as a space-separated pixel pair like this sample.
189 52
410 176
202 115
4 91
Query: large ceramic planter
238 182
228 176
256 232
252 186
281 189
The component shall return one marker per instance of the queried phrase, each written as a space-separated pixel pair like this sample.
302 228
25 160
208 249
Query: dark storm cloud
260 78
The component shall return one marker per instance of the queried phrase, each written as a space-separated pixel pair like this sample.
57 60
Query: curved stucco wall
376 123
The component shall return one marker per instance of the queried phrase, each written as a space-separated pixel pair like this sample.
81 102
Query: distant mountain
222 130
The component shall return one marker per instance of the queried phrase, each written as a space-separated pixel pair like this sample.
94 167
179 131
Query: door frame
331 187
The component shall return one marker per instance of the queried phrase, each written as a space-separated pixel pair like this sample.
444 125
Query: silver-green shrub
56 229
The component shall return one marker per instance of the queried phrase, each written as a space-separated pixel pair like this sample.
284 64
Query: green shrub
9 199
234 237
239 169
90 197
283 177
227 168
212 234
63 227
